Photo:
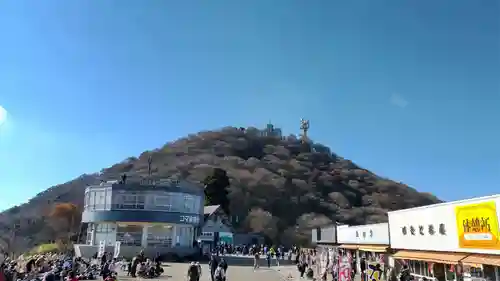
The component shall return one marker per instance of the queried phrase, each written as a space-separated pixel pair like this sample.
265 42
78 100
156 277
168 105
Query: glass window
188 204
89 234
91 200
130 201
163 202
160 236
103 228
87 201
177 202
100 200
129 235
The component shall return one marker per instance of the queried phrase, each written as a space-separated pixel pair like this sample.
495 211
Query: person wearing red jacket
2 274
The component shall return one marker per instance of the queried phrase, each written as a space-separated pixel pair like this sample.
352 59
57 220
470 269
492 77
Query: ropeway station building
157 216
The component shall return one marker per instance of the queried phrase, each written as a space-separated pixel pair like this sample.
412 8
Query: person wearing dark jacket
362 265
103 259
223 264
213 266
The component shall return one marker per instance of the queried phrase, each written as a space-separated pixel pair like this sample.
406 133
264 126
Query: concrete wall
450 217
326 234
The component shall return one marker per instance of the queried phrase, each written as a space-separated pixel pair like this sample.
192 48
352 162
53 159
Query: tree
216 189
66 218
260 221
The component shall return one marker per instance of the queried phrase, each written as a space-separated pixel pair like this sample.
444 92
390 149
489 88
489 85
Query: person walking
220 274
213 266
199 270
256 260
193 273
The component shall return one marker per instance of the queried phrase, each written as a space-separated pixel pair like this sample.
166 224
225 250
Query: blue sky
407 89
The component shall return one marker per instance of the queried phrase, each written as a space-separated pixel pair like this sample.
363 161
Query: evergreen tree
216 192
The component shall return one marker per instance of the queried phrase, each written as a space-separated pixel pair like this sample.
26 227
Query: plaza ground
178 272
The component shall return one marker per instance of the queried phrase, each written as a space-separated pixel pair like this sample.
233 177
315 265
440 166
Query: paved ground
178 271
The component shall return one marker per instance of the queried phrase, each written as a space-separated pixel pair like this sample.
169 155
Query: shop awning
373 248
476 259
349 246
446 258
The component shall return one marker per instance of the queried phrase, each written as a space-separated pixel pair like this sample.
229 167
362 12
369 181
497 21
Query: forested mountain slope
279 186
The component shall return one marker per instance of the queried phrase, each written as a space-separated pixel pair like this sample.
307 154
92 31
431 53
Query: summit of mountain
280 186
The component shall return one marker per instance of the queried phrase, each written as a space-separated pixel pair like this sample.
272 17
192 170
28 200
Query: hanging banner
374 271
345 268
118 245
102 249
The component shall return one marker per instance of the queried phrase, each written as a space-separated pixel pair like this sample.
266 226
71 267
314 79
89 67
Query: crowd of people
48 267
60 267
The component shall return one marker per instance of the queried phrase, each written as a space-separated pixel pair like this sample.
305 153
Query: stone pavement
178 272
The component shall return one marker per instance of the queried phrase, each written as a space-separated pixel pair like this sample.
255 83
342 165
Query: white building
442 240
368 241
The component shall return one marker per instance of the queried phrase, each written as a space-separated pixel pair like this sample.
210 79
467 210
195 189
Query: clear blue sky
407 89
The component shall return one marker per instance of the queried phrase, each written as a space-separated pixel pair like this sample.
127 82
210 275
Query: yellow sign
477 226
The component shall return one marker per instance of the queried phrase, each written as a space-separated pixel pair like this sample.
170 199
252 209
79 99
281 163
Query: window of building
130 201
129 235
100 200
89 234
420 268
87 200
103 228
163 202
160 236
188 204
185 234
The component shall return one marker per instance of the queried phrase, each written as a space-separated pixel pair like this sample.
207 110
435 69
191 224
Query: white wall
374 234
443 214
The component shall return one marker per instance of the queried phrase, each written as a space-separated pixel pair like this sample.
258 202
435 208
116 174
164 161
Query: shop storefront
325 239
366 244
449 241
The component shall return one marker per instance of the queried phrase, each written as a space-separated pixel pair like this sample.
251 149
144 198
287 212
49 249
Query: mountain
280 186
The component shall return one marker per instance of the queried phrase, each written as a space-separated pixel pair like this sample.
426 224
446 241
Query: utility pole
150 162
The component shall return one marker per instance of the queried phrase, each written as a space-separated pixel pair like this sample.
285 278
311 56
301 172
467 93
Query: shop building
448 241
158 217
369 242
216 228
326 235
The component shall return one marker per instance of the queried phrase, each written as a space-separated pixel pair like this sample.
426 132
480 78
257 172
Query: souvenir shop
325 239
449 241
368 243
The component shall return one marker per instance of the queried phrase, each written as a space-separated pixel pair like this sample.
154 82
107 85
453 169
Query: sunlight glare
3 115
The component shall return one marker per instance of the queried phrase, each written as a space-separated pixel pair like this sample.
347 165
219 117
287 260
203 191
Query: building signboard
477 226
460 226
141 216
370 234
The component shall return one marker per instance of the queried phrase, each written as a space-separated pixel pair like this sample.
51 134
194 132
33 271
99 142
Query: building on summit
157 216
271 131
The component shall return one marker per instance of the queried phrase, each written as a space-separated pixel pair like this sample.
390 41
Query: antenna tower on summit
304 126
